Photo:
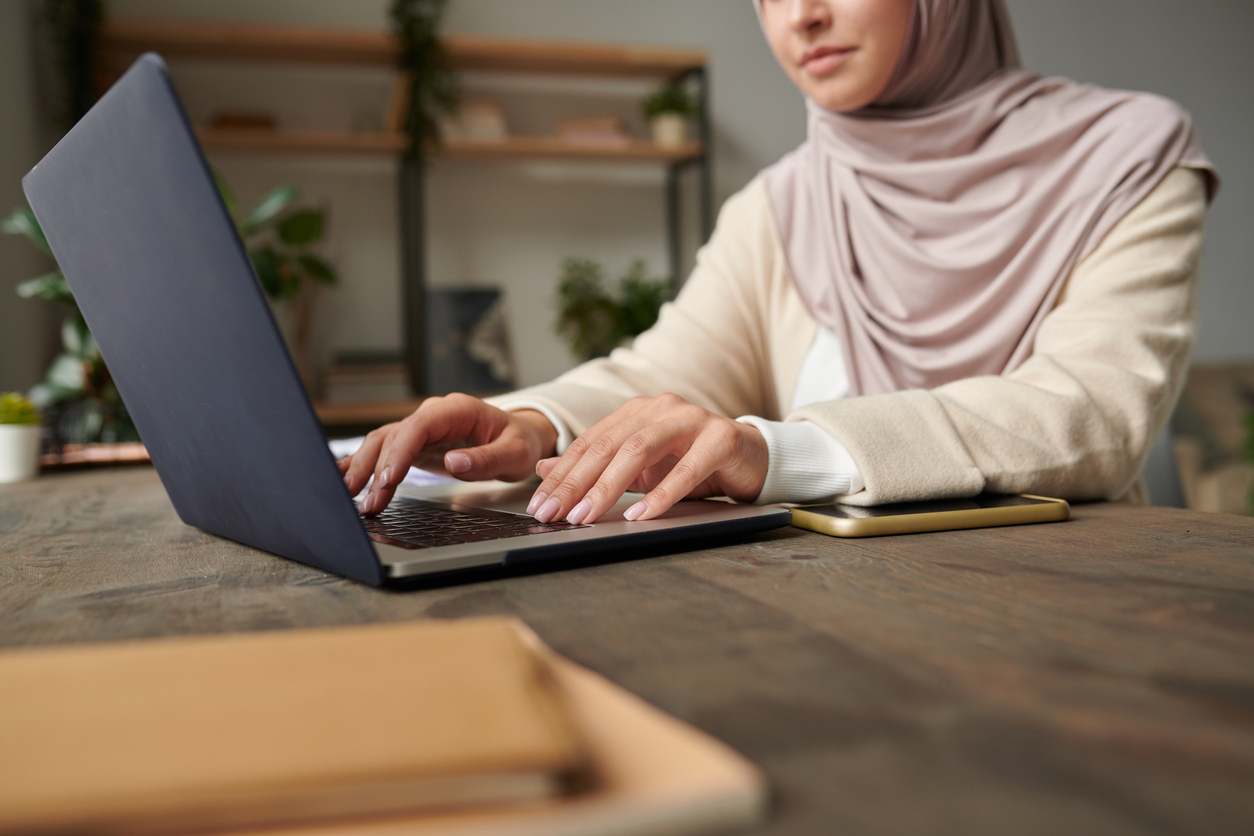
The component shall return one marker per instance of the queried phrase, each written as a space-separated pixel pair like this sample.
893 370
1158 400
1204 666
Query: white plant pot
19 452
670 130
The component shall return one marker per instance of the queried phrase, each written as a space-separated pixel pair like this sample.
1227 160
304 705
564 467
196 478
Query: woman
967 279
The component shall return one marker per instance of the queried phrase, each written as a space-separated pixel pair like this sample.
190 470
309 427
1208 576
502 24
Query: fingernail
457 462
366 503
348 481
548 510
385 478
576 515
635 511
536 501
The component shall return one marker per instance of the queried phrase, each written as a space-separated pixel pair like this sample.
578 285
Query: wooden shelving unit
547 147
124 40
288 141
127 39
511 148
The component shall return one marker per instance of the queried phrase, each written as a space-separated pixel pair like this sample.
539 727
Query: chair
1161 476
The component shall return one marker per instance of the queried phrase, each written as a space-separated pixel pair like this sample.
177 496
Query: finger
454 417
637 454
582 463
361 463
543 468
708 453
505 457
567 484
383 481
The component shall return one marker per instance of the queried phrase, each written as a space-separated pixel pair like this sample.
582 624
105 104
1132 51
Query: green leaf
23 222
228 196
67 372
318 269
289 278
51 287
44 395
15 409
72 334
266 264
90 421
303 227
77 340
268 209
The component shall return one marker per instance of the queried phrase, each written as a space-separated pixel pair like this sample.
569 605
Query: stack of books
605 131
361 382
477 120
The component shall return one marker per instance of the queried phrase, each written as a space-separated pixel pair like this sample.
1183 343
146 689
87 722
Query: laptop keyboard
418 525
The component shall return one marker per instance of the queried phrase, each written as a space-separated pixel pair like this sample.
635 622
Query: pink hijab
934 230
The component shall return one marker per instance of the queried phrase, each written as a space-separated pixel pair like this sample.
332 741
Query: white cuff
563 432
806 464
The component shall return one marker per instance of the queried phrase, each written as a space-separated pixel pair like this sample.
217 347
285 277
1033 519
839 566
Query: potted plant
594 322
77 395
668 110
432 84
19 438
282 240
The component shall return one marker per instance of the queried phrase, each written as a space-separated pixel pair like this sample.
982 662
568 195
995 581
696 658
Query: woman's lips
823 60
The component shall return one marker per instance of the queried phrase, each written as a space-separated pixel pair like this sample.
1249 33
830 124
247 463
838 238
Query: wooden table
1094 676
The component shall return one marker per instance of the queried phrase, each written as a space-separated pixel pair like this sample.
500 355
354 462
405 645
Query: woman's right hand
456 434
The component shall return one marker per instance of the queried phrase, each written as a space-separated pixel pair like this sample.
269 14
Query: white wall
512 224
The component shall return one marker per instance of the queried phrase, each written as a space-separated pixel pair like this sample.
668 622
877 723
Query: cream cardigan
1076 420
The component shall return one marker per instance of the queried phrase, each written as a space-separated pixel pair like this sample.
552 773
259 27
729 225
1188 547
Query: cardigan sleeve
1078 418
708 346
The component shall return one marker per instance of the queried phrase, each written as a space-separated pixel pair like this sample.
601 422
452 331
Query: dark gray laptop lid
132 214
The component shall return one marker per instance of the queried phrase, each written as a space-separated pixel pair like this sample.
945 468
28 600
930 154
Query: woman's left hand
663 447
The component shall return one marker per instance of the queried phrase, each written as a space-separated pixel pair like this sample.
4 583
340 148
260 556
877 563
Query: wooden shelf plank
301 142
550 147
364 412
474 52
511 148
230 41
124 39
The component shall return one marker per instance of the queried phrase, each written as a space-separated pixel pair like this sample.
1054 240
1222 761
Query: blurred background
538 255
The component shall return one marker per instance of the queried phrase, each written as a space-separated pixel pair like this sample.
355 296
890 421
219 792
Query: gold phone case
1047 509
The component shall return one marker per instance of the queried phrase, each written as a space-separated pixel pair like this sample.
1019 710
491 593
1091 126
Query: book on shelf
477 120
397 111
358 382
606 131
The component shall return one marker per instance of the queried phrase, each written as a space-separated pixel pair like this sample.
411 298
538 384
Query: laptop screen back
132 214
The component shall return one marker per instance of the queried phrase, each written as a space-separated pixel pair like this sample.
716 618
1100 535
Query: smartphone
983 511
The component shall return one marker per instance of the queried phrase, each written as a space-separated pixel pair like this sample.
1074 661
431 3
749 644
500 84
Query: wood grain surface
1092 676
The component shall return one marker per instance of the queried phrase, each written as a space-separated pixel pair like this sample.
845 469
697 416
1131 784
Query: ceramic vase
19 452
669 129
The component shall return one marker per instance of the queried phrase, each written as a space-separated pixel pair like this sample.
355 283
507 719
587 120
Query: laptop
131 211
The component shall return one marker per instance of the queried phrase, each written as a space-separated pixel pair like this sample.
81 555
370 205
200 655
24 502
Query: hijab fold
933 230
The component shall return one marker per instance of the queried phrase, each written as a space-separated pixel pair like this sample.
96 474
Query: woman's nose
809 16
